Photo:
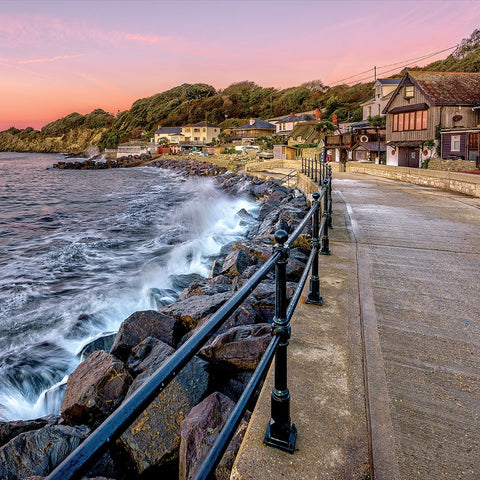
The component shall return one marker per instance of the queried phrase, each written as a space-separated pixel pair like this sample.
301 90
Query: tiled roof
297 118
258 123
169 130
449 88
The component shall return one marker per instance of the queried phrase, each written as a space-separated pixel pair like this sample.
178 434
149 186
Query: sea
81 250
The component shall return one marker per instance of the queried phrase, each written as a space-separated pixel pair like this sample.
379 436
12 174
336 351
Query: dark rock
216 268
94 389
154 438
263 298
237 262
188 312
209 286
245 217
157 355
235 385
140 325
240 347
103 342
180 282
9 430
39 451
200 430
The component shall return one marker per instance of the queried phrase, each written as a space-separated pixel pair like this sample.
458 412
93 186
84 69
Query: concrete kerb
325 380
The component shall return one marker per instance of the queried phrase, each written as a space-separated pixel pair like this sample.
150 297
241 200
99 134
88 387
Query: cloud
147 39
53 59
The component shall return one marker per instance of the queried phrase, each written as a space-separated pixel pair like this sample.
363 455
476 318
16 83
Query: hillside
191 103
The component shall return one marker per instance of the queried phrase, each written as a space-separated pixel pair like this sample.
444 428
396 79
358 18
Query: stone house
422 104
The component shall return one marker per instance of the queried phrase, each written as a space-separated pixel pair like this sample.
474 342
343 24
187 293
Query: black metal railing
316 169
281 432
289 176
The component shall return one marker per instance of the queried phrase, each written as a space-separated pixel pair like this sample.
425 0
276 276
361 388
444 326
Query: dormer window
409 91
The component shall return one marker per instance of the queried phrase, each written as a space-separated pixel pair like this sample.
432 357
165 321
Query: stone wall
451 165
465 183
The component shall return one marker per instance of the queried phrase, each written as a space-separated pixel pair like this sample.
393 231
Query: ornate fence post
329 173
281 432
314 296
316 168
325 240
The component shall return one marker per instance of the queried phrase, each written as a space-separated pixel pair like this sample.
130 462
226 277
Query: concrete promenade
386 375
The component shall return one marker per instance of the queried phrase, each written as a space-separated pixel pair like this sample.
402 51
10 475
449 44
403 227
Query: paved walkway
405 277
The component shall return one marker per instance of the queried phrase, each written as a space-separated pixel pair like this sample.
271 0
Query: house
305 132
252 130
384 88
172 134
200 133
461 143
422 104
285 125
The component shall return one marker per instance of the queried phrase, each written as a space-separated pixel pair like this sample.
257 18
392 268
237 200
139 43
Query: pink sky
57 57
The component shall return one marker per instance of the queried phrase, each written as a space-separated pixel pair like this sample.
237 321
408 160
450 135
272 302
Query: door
409 157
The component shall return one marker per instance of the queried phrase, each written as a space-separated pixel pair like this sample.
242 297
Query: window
410 121
409 91
196 130
455 143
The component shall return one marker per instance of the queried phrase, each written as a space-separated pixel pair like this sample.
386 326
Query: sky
64 56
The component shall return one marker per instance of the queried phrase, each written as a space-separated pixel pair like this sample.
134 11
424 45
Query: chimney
252 121
334 119
318 114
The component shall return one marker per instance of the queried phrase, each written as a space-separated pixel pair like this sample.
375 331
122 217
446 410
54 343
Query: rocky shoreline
173 435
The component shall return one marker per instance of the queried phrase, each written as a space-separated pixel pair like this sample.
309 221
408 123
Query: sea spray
84 250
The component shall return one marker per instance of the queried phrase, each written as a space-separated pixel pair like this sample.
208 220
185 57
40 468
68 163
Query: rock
9 430
216 269
200 430
140 325
94 389
139 362
240 347
237 262
209 286
263 298
39 451
103 342
154 438
188 312
235 386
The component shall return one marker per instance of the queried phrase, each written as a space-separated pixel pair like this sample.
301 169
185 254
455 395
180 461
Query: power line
423 57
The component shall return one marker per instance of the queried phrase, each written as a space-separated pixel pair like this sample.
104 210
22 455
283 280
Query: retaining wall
465 183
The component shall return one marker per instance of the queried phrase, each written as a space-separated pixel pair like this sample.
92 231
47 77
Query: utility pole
374 74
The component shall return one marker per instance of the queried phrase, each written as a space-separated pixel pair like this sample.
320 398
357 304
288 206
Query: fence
281 432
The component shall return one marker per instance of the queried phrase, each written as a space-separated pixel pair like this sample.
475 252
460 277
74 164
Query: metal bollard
281 432
330 224
314 296
325 240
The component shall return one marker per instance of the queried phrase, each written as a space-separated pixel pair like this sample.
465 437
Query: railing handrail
91 449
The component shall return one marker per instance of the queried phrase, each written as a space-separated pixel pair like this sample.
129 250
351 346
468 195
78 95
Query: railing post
281 432
316 168
303 170
330 206
325 240
314 296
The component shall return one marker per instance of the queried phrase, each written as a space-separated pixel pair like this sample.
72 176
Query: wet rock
140 325
9 430
190 311
200 430
237 262
140 361
39 451
234 386
240 347
263 298
94 389
209 286
153 439
104 343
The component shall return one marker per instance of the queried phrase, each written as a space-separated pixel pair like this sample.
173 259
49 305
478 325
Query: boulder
237 262
140 325
263 298
9 430
209 286
159 352
188 312
200 430
94 389
240 347
103 342
39 451
154 438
